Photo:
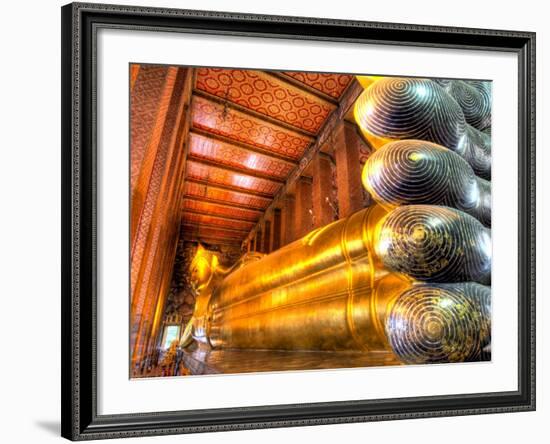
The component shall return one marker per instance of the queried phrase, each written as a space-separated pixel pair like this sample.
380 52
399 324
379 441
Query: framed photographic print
279 221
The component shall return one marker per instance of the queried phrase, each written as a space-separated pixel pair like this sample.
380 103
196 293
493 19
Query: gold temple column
348 169
304 204
322 184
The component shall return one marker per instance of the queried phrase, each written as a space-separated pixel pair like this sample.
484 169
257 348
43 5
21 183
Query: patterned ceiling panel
213 221
330 84
208 232
268 95
200 190
220 176
220 210
213 117
249 129
235 156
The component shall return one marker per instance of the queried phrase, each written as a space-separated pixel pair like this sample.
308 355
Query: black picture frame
79 170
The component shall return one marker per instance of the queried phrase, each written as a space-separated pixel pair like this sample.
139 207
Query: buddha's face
201 272
202 268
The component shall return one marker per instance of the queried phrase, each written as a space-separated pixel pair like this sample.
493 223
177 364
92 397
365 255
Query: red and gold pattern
231 197
145 99
209 220
234 156
331 84
220 210
213 117
157 113
265 94
220 176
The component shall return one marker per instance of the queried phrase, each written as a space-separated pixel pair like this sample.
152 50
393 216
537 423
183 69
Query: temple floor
204 362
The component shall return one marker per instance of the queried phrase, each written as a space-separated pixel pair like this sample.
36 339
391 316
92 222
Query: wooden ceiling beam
232 169
234 189
230 188
243 109
222 202
213 227
226 204
225 218
245 146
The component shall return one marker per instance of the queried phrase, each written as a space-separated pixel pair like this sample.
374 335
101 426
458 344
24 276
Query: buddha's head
203 266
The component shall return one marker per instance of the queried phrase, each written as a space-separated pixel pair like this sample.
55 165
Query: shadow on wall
53 427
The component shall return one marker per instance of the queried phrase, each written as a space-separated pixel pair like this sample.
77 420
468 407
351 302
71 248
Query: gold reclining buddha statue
409 275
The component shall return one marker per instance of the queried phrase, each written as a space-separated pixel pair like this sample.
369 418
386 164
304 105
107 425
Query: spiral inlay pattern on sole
475 101
410 108
435 244
417 172
432 323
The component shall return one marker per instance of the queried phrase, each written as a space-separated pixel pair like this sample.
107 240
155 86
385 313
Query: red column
259 245
348 169
304 206
289 229
323 213
267 236
276 230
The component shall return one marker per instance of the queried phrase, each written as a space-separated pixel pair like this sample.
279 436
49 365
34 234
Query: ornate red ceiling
215 175
231 155
211 208
213 117
213 194
331 84
267 94
249 129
